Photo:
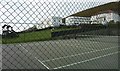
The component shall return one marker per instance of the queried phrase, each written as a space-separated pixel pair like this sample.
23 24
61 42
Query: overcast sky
25 12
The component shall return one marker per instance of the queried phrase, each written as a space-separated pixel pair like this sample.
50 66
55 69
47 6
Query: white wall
77 20
56 21
116 17
103 18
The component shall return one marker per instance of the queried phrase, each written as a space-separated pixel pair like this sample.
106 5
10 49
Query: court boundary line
77 54
36 58
101 35
95 41
41 62
80 47
86 60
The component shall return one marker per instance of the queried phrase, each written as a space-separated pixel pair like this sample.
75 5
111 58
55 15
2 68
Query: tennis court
98 52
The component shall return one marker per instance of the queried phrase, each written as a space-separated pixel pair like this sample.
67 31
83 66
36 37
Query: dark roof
114 6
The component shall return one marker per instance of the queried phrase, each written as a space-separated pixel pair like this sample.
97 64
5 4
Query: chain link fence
59 34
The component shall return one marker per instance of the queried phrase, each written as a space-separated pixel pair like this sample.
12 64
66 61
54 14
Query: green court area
98 52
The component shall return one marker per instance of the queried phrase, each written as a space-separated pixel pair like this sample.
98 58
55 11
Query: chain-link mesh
51 35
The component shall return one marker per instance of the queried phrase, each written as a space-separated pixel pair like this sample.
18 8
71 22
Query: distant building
104 17
44 24
50 22
77 20
99 18
99 15
55 21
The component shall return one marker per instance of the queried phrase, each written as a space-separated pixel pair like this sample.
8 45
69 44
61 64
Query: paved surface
0 57
100 52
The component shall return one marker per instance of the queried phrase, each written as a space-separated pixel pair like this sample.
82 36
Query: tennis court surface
98 52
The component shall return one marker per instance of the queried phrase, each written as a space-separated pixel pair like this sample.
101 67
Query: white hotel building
100 18
104 17
77 20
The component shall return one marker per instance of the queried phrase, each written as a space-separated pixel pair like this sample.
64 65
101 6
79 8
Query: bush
113 25
111 22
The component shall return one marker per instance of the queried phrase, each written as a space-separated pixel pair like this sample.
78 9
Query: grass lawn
29 37
0 40
41 35
63 29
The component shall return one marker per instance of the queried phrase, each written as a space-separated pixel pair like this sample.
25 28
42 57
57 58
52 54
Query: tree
9 32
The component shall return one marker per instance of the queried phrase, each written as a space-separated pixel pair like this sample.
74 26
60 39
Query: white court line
100 35
41 62
37 59
85 47
80 47
85 60
77 54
